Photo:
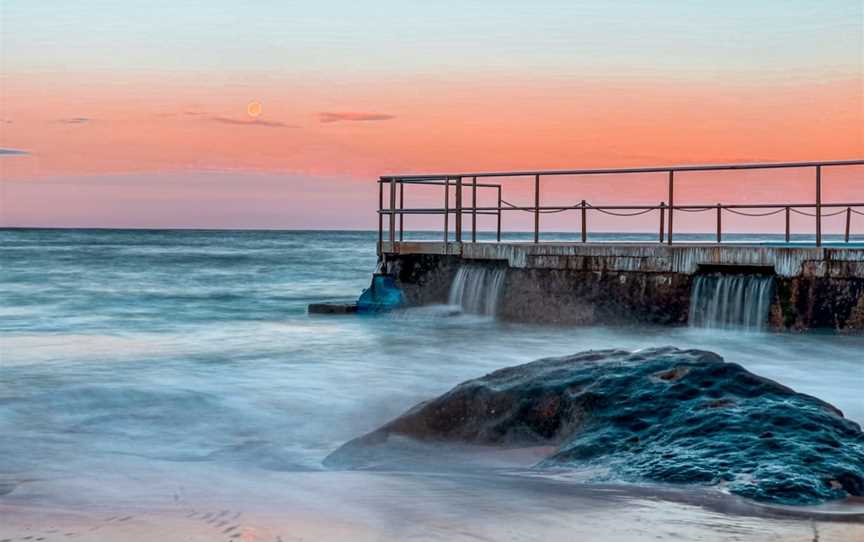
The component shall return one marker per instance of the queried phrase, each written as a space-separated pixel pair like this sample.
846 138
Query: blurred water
731 301
142 353
477 289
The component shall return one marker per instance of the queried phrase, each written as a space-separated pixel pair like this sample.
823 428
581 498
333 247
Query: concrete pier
612 283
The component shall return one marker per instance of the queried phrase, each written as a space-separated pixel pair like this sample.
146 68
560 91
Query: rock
660 415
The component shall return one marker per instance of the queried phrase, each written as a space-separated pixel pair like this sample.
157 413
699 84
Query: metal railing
667 209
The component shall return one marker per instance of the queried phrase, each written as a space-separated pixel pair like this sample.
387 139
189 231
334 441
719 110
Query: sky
281 114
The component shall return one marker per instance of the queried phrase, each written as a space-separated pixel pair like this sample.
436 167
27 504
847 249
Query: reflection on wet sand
320 506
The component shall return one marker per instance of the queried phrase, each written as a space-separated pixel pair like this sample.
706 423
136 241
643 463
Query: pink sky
144 144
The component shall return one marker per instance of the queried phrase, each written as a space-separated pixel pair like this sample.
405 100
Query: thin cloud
174 114
353 117
75 120
13 152
256 122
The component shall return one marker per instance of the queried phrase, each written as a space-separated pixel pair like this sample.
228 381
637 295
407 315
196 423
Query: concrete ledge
332 308
650 258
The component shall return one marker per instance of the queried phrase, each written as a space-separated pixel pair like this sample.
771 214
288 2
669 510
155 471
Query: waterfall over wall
731 301
477 288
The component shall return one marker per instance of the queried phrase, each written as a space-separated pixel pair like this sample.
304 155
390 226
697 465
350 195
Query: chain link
697 210
813 215
769 213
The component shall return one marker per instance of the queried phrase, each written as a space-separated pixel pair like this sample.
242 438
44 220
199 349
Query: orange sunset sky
137 114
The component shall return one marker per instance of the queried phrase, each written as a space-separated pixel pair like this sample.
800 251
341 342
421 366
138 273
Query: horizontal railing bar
607 171
493 210
440 211
429 212
441 183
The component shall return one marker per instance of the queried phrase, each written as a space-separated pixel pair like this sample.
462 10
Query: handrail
711 207
607 171
460 180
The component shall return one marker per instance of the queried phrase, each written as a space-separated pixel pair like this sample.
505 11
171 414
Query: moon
253 109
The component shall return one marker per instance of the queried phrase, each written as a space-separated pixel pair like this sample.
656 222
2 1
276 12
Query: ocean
149 378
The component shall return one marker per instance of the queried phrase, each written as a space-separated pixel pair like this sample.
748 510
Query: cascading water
477 289
731 301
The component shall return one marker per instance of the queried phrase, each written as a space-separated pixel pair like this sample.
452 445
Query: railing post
788 229
584 222
392 227
401 215
818 206
719 224
446 213
848 221
662 219
671 204
499 213
458 209
474 209
536 208
380 217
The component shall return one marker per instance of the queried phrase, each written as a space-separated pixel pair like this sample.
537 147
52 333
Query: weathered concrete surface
652 258
808 302
424 278
587 284
574 297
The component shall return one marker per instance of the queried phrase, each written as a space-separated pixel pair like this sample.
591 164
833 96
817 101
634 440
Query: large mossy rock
663 415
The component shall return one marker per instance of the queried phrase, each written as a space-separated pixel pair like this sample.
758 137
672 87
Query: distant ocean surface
145 366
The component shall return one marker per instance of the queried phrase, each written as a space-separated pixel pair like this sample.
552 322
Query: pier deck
591 284
786 261
582 282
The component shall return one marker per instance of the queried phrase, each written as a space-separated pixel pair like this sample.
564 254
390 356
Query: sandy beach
361 506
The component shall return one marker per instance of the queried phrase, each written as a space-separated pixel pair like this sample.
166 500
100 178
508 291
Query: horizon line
375 231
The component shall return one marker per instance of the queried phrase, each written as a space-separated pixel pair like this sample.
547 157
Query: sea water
155 370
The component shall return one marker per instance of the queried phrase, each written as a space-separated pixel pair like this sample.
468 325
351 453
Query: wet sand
359 506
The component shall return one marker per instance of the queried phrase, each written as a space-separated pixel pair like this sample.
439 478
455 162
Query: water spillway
477 289
731 301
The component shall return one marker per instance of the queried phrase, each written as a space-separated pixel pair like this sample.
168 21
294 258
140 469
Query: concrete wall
637 284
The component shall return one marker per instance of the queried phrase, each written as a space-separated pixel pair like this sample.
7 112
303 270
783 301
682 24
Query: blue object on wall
382 295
